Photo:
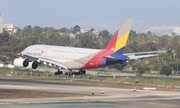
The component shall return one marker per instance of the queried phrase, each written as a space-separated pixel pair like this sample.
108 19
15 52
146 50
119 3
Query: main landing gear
80 72
58 72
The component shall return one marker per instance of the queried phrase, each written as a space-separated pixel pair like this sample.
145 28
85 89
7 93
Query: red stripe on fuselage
94 62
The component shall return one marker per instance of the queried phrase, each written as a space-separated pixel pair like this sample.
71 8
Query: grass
143 80
86 80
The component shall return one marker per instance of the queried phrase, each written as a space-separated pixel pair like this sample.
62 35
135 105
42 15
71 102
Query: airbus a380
72 58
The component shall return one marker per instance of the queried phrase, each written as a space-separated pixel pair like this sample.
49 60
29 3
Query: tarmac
103 97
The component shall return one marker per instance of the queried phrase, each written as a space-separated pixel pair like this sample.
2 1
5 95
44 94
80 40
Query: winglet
119 40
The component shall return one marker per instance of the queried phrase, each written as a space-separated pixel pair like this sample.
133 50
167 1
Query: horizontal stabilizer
148 52
117 57
138 55
141 56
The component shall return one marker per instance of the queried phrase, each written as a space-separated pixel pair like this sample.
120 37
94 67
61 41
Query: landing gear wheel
55 73
84 72
66 74
58 73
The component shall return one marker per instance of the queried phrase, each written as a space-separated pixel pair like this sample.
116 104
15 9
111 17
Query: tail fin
119 40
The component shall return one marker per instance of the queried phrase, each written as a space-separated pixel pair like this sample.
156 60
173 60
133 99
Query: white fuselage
72 57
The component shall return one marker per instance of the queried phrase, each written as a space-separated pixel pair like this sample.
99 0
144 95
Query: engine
21 62
34 64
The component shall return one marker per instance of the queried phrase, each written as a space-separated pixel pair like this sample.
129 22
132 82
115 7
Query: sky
98 14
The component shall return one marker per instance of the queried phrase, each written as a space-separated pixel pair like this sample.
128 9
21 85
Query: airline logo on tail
120 38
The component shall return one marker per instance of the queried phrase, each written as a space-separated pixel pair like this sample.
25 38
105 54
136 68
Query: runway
112 97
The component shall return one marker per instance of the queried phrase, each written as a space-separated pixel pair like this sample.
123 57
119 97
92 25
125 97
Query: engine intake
21 63
25 62
34 64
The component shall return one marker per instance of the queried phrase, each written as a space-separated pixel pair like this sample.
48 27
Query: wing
138 55
51 62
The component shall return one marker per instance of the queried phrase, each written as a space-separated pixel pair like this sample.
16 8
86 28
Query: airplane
73 58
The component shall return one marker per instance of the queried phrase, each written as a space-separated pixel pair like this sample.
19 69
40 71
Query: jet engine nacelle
21 63
32 65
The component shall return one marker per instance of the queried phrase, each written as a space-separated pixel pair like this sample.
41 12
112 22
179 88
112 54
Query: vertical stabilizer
119 40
